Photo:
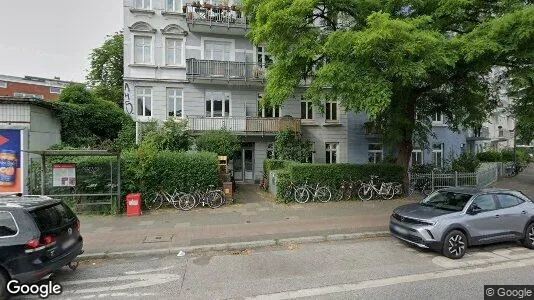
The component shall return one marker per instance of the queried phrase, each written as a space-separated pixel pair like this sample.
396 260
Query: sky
48 38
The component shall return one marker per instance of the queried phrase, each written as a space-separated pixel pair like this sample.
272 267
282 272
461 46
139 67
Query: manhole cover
157 238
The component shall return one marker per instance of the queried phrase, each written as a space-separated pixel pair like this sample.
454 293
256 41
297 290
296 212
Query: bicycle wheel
288 195
365 193
339 195
215 199
302 195
186 202
175 200
323 194
154 202
389 193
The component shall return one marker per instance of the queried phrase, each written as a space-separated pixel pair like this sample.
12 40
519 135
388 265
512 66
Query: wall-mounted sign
64 174
11 164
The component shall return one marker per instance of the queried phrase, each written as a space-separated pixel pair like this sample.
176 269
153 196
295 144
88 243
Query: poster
64 175
11 164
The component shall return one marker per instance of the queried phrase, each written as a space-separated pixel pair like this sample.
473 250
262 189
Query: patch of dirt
242 252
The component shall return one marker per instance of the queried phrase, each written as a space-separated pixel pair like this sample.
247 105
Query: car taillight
48 239
32 244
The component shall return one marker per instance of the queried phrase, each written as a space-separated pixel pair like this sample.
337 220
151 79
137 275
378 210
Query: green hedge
489 156
504 155
275 164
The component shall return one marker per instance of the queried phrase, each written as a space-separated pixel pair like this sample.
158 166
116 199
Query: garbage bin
133 205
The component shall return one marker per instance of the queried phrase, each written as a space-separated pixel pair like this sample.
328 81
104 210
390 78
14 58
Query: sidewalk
523 182
255 217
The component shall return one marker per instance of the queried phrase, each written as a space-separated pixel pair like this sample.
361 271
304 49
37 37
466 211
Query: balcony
221 19
224 72
478 135
243 125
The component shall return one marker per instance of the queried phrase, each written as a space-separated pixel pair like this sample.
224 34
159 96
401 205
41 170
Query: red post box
133 205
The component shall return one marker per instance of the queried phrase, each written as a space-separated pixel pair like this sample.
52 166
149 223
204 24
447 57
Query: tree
172 135
76 93
394 60
222 142
107 69
290 145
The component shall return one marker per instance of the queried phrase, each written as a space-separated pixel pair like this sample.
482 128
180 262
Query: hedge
275 164
504 155
490 156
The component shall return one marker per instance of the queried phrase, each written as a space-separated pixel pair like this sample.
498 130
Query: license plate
68 244
400 230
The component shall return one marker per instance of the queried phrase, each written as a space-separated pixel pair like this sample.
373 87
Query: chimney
57 78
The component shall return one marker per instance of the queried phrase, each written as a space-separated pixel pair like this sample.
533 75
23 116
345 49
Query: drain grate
157 238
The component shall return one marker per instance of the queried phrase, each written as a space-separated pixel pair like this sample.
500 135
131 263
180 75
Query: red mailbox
133 205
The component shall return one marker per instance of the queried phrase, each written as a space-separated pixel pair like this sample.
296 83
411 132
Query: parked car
452 219
38 236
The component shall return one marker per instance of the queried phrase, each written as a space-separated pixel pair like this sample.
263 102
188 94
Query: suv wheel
3 285
454 245
528 241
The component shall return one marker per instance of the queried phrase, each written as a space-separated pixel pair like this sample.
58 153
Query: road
370 269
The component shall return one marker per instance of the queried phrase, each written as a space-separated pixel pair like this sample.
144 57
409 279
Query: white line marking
147 271
314 292
134 281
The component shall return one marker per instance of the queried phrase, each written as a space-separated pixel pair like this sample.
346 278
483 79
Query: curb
236 246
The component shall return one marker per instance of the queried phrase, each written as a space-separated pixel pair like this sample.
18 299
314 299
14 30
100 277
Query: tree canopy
398 61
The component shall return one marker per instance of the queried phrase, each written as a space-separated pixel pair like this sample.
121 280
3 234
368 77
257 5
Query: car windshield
447 200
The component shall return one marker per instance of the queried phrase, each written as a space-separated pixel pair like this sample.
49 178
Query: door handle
497 216
524 212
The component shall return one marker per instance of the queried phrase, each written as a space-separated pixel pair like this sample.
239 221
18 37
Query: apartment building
31 87
192 61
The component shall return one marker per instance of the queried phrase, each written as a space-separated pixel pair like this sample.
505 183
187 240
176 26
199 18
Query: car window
506 200
447 200
52 217
8 226
485 202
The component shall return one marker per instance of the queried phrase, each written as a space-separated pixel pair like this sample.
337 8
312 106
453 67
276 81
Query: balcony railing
228 70
213 15
252 125
481 133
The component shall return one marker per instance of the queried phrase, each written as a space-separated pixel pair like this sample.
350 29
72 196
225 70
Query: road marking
483 258
148 271
134 281
113 295
326 290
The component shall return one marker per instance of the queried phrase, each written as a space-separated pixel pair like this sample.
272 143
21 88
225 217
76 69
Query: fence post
455 178
432 179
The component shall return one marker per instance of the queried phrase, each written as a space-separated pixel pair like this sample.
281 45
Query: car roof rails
11 195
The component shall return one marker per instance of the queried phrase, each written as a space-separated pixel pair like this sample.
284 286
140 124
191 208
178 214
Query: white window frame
178 4
437 118
55 92
418 153
277 109
226 96
145 96
435 153
28 95
308 105
270 150
151 37
329 118
3 84
264 53
143 3
375 152
211 39
182 51
329 151
175 97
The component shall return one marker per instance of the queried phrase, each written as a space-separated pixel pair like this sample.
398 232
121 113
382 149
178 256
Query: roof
474 190
26 100
36 80
26 201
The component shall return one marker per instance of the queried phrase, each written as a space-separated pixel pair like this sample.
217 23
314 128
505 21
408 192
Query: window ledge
142 11
306 122
143 66
439 124
332 124
172 13
172 67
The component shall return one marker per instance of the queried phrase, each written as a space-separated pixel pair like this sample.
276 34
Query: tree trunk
403 159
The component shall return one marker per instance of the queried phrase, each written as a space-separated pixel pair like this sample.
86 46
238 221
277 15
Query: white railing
213 15
212 69
242 124
487 174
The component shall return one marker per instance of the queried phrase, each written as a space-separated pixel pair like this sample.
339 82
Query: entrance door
244 164
248 154
238 166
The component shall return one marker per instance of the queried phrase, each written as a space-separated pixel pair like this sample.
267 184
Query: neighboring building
195 63
31 87
25 124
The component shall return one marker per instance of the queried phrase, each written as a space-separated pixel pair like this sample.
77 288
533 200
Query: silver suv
451 219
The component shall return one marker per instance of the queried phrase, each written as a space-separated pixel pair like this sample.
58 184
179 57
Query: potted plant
224 5
184 9
236 7
207 5
196 4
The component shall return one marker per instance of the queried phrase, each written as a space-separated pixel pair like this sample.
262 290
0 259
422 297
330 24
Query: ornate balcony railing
215 15
229 70
252 125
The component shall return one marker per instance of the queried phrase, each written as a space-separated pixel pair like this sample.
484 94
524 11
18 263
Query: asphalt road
370 269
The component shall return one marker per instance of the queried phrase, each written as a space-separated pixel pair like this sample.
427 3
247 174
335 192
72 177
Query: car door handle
497 216
524 212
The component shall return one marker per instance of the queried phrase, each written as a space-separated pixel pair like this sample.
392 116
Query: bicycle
214 198
157 200
321 193
422 185
290 192
346 190
512 169
369 189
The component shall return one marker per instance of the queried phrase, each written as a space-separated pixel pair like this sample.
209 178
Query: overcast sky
50 38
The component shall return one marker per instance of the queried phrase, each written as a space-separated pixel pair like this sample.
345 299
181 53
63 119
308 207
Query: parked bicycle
512 169
211 197
369 189
422 185
158 199
290 192
347 190
315 192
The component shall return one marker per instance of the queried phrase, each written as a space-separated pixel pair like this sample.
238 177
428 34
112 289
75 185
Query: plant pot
184 9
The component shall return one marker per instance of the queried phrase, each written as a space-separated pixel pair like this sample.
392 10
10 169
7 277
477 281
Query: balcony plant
224 5
207 5
196 4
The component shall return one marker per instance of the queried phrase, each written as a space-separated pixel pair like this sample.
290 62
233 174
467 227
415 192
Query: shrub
466 162
275 164
290 145
489 156
222 142
507 155
172 135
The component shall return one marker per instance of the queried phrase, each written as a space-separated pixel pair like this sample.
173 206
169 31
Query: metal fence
487 174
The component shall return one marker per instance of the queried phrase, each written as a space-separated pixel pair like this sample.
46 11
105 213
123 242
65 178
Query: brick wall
16 87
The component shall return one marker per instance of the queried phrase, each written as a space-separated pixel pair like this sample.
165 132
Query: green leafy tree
172 135
76 93
394 60
107 69
222 142
290 145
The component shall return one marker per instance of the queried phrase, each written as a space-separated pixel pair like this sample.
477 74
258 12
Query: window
331 111
263 57
174 5
437 118
375 153
174 102
306 110
3 84
144 101
142 4
8 226
437 155
142 49
25 95
417 157
485 202
270 151
508 200
217 50
311 154
218 105
269 111
52 217
173 52
331 153
55 90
